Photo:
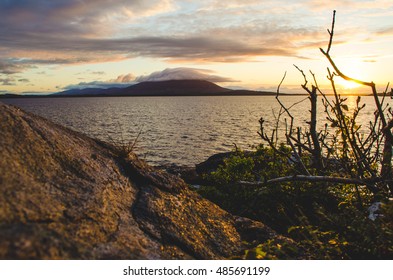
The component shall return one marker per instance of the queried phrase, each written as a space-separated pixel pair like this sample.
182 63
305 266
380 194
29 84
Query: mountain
162 88
174 87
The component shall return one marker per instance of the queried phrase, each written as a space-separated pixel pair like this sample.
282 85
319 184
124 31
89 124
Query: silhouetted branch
298 159
315 179
346 149
331 32
282 105
313 130
386 168
316 147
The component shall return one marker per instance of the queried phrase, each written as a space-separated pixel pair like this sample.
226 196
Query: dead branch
297 157
358 154
345 77
386 168
316 147
282 105
370 184
317 157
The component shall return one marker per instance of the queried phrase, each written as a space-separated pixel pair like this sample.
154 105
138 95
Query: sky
54 45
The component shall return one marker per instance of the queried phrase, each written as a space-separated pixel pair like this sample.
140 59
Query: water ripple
180 130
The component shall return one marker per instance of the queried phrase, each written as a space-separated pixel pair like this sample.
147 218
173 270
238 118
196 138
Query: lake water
174 130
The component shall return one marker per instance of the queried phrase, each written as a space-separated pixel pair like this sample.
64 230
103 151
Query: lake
181 130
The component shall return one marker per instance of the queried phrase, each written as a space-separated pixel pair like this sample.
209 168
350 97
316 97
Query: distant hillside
162 88
174 87
87 92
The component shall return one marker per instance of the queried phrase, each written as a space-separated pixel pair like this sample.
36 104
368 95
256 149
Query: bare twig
357 154
331 32
282 105
370 184
298 159
386 164
317 157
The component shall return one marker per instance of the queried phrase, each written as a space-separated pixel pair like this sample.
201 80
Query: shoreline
14 96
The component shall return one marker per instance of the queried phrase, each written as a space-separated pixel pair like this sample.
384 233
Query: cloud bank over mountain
183 73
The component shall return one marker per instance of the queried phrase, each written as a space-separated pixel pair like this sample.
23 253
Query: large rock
66 196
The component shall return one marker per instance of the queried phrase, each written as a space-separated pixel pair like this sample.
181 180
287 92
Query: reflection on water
180 130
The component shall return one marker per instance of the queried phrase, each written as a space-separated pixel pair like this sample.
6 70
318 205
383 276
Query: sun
351 68
347 84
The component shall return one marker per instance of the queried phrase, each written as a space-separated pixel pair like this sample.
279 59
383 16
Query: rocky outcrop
64 195
196 175
212 163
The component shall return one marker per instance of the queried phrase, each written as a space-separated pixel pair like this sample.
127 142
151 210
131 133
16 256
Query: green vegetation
329 191
324 219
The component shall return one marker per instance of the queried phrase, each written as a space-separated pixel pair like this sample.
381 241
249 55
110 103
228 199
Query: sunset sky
53 45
